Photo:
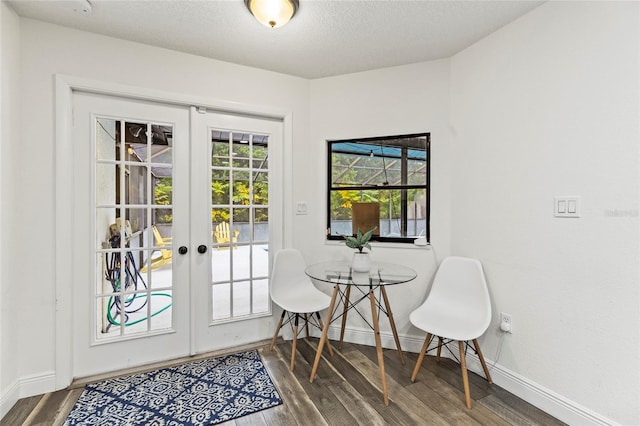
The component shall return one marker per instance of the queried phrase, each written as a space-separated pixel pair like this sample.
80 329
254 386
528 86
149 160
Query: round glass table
368 286
380 274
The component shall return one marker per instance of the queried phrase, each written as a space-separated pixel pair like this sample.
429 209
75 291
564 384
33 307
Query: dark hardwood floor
346 392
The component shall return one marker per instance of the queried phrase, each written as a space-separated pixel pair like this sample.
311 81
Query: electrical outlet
506 322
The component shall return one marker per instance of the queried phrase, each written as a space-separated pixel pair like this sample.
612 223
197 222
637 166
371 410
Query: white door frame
64 86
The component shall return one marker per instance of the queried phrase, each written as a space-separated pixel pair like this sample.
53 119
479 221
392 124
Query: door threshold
83 381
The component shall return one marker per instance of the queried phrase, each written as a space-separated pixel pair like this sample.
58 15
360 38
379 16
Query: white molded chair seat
458 308
294 292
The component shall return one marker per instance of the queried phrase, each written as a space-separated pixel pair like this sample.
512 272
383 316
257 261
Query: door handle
202 248
183 250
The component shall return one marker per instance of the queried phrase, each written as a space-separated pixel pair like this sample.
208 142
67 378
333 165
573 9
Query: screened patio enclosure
389 173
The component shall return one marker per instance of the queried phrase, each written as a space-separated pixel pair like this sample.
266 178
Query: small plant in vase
361 259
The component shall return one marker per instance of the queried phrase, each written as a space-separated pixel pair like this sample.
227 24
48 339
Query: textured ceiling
325 37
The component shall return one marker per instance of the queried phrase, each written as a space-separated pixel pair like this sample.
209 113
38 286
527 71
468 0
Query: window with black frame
380 182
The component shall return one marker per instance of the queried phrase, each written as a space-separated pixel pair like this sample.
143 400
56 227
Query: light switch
567 206
562 206
301 207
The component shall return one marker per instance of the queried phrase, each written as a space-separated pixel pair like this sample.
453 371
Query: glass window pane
106 318
106 183
162 216
105 144
241 264
220 215
417 171
260 260
221 264
391 172
135 133
241 298
220 148
220 187
221 300
260 188
109 271
241 188
161 144
159 276
163 188
261 225
241 151
260 157
135 188
261 298
160 310
240 216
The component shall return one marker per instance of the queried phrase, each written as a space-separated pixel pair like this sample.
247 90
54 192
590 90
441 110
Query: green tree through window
392 172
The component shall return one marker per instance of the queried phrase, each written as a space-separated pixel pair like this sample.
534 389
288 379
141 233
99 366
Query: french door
242 184
172 230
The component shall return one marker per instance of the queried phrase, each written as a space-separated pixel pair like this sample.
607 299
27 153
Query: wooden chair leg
465 375
484 364
439 348
275 335
423 351
306 325
294 343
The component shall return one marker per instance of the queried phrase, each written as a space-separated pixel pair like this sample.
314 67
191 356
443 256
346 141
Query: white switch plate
301 207
566 206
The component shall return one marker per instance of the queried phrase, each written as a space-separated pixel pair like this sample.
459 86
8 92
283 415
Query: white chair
294 292
458 308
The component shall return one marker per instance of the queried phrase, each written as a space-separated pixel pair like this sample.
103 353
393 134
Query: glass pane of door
240 223
133 216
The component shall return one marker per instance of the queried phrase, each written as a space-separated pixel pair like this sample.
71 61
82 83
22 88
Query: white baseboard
9 398
545 399
37 384
538 396
24 387
548 401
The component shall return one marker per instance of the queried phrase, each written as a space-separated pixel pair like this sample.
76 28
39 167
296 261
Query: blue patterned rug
205 392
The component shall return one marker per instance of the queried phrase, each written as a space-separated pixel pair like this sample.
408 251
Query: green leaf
367 236
360 241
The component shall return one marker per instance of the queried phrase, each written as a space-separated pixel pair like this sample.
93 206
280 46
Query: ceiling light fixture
272 13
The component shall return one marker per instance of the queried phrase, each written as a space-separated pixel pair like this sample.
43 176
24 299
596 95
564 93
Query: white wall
545 106
391 101
49 49
548 106
9 132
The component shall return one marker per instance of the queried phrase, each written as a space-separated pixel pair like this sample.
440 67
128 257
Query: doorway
170 238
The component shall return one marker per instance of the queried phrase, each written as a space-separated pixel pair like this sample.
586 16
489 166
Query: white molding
24 387
64 86
63 228
287 179
556 405
9 398
37 384
545 399
165 97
